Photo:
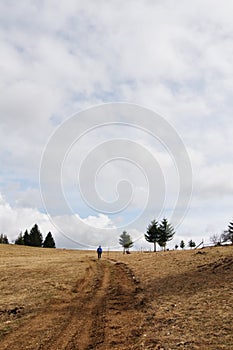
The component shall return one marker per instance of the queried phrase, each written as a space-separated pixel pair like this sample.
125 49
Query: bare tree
215 239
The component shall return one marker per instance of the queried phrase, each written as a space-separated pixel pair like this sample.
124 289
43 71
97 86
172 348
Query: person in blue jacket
99 251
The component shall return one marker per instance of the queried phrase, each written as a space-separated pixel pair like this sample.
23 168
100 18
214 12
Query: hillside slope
66 299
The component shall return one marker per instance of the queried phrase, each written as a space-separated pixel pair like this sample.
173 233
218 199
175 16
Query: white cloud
15 220
71 231
68 230
57 59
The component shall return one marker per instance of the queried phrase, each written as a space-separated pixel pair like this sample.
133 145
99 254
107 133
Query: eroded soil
104 312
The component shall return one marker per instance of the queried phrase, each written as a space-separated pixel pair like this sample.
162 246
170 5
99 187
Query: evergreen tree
36 238
3 239
192 244
152 234
166 233
49 241
19 240
182 244
26 238
228 234
125 241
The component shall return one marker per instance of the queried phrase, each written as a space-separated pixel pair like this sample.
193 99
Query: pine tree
125 241
36 238
26 238
49 241
152 234
192 244
3 239
230 232
19 240
182 244
227 235
166 233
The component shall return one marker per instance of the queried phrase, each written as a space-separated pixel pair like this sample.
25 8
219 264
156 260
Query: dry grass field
66 299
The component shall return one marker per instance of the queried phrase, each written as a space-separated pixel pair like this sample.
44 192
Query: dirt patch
96 316
225 263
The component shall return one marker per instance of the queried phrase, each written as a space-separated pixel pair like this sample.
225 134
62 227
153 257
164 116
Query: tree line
33 238
191 244
163 232
156 233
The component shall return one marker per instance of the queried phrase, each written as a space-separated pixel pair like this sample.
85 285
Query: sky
95 98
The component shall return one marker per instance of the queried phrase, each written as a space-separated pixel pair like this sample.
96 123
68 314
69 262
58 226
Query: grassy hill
66 299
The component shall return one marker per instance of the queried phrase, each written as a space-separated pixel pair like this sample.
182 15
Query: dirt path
105 312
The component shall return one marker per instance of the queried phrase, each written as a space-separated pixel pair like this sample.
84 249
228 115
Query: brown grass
33 277
180 299
190 297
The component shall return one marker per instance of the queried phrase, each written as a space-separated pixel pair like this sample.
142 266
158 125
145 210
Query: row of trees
3 239
163 232
157 233
35 238
191 244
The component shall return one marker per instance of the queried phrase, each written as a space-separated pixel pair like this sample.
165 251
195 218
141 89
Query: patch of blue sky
28 183
11 183
114 93
76 96
106 96
55 119
11 175
78 31
177 87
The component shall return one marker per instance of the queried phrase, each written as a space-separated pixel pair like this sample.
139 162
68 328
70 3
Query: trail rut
105 312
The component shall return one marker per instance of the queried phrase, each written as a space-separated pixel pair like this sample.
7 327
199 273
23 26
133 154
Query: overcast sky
61 58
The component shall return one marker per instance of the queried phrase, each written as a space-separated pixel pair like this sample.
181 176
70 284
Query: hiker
99 251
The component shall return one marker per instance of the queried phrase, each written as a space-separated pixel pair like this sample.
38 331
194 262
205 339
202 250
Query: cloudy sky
59 59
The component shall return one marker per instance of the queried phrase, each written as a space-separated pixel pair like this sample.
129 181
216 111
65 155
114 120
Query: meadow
67 299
